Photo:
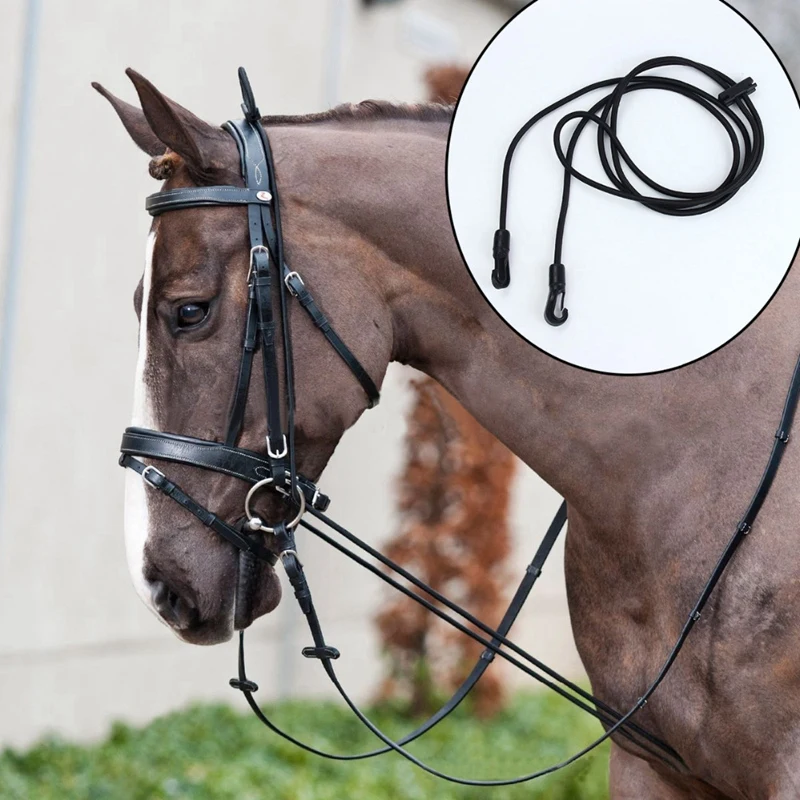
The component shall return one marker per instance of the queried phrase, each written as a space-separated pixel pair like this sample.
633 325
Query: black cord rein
744 129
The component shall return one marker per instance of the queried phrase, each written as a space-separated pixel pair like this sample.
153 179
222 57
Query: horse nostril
176 610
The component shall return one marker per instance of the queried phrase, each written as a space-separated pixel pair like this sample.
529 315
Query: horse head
192 305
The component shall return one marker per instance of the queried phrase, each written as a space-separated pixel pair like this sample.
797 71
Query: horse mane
369 110
164 166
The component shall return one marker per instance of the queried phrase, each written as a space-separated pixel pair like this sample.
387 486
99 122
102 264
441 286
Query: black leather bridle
269 274
277 470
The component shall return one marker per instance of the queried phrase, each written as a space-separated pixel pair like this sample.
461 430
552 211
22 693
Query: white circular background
646 292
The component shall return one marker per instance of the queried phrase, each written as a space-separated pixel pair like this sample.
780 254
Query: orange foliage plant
454 502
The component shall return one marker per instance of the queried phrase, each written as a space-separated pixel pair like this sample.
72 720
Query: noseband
270 275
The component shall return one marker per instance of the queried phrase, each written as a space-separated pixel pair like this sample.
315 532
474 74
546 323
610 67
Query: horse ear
194 140
135 123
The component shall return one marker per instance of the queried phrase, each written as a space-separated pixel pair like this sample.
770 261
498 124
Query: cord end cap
501 275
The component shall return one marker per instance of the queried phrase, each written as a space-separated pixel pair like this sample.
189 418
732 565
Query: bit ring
255 523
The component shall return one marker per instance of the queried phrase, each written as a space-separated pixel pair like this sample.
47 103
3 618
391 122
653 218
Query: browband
175 199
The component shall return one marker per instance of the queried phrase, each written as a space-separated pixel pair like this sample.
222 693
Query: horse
655 469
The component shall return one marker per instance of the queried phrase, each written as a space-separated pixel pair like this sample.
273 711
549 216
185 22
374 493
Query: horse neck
619 449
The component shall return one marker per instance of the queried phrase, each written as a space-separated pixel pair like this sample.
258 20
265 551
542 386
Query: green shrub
212 751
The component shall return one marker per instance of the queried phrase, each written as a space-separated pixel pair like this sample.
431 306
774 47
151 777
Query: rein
745 158
269 276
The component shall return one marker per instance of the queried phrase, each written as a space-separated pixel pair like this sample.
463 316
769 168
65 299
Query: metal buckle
253 251
150 468
289 286
282 452
314 498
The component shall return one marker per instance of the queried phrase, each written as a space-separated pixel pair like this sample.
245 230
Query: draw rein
269 275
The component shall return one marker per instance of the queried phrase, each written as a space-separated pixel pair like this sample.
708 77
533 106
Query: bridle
269 275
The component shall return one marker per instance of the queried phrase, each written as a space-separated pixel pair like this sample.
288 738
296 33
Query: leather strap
238 407
234 461
155 478
177 199
263 245
531 575
298 288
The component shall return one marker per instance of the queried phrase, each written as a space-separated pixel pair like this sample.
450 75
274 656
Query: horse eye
192 314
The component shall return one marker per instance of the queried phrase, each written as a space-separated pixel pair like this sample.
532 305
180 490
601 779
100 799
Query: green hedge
212 751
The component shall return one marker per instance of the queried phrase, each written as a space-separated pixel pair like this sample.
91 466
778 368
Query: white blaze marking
136 517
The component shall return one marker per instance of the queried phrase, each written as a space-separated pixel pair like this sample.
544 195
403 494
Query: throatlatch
269 274
746 158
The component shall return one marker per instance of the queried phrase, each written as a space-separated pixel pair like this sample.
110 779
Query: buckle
287 280
253 251
282 452
290 553
147 470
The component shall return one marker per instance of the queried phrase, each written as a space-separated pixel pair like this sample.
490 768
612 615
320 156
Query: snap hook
554 312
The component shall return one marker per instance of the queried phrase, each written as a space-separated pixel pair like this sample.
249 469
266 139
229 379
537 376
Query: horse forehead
195 242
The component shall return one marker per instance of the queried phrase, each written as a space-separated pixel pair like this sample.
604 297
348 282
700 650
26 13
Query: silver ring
251 518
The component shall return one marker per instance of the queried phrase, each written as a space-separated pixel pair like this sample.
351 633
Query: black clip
782 437
321 652
737 91
249 107
554 312
501 275
243 685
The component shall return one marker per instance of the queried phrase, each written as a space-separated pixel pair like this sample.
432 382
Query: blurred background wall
77 648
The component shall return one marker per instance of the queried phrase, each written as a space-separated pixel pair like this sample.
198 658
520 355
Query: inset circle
653 285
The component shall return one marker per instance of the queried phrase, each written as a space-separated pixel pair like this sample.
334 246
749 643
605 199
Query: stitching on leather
261 462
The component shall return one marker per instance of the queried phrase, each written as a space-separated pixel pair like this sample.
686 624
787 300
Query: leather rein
269 276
